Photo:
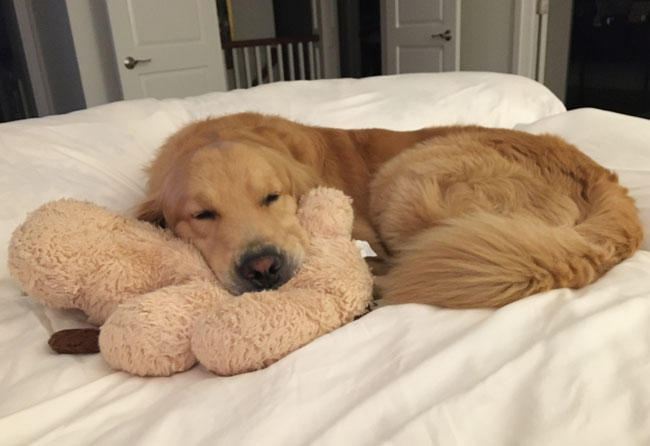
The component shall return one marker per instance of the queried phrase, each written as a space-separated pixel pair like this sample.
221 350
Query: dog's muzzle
263 268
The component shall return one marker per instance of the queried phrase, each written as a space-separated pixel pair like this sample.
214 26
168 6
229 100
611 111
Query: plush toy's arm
252 331
150 335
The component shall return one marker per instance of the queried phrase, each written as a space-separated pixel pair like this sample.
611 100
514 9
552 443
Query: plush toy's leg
73 254
150 335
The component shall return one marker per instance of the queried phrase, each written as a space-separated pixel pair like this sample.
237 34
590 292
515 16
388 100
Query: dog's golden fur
461 216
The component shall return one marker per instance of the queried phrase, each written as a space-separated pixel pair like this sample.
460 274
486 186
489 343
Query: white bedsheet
563 367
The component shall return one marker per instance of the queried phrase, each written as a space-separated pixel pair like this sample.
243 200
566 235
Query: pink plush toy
159 305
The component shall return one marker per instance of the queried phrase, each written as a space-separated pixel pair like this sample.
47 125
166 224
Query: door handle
130 62
446 35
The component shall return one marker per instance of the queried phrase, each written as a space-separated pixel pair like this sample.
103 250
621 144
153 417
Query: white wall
557 46
69 54
488 31
50 56
93 44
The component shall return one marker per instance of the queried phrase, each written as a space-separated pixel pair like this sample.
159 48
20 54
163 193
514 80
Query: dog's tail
488 260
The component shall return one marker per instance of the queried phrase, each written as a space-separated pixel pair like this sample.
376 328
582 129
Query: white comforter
563 367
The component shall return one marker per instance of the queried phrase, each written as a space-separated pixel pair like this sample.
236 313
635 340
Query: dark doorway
609 64
359 37
16 99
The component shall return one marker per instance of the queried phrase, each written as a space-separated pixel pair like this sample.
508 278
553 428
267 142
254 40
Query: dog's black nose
264 270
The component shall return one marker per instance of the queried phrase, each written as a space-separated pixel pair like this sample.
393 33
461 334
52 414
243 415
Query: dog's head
237 204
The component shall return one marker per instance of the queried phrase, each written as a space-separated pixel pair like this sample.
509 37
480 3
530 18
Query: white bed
560 368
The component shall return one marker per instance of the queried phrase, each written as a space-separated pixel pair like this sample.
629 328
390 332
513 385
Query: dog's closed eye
205 214
270 198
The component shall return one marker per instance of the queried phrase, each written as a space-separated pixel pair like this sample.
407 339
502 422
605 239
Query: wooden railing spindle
258 65
235 63
310 47
292 71
269 62
281 61
301 60
247 63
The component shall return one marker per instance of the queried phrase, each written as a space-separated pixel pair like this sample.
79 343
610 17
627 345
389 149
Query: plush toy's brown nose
264 270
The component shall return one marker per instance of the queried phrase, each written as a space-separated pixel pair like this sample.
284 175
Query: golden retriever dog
460 216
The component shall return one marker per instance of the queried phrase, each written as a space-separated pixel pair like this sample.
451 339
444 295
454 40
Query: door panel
419 60
176 83
413 35
177 42
411 12
176 22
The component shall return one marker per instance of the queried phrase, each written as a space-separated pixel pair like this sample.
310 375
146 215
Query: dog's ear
298 177
151 210
302 179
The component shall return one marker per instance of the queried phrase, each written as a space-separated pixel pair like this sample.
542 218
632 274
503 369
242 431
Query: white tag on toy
366 250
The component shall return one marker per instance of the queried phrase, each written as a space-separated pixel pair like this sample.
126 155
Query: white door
420 35
167 48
